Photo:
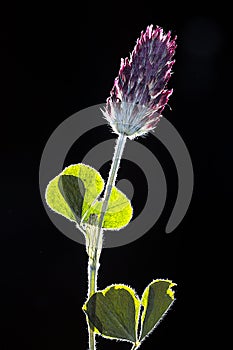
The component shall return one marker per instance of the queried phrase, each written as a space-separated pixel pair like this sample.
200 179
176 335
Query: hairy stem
120 145
93 264
135 346
92 279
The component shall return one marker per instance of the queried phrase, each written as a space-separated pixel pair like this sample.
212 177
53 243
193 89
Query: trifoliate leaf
75 194
114 312
156 300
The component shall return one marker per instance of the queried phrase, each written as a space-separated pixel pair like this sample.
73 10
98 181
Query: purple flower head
139 94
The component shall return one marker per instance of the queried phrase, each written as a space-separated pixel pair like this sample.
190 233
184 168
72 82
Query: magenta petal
142 82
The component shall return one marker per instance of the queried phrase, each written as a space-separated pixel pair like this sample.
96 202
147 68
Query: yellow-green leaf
75 194
119 211
156 300
93 184
73 191
114 312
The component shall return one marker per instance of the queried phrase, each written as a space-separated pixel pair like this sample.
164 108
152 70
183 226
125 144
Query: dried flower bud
139 94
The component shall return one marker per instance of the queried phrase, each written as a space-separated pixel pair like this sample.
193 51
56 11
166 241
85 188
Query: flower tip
139 94
149 31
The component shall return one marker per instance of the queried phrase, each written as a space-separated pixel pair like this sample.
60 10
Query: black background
57 61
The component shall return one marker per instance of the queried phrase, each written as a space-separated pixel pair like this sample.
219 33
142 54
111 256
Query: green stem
91 339
93 263
120 145
92 278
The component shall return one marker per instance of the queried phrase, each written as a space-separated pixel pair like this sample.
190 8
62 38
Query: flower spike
139 93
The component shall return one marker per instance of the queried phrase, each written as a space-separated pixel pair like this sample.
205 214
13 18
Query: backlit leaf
114 312
156 300
75 194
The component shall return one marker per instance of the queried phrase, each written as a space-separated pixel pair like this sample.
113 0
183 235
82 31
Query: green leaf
73 190
114 312
56 201
119 211
74 194
92 182
156 300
